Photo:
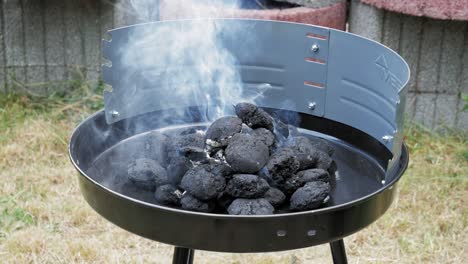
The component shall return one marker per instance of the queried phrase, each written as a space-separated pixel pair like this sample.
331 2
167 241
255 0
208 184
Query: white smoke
187 62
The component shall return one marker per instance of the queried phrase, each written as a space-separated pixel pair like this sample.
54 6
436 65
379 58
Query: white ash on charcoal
246 154
202 184
275 197
188 202
253 116
220 131
167 195
191 146
309 197
243 206
246 186
146 174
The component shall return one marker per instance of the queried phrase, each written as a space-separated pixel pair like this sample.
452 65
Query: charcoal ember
309 155
275 197
191 203
156 146
243 206
322 144
247 186
224 200
306 161
167 195
282 165
195 154
264 135
202 184
301 145
311 175
246 154
309 197
146 174
253 116
246 129
221 130
303 177
322 160
220 169
190 145
177 169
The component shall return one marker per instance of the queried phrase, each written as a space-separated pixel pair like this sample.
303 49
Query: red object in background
439 9
333 16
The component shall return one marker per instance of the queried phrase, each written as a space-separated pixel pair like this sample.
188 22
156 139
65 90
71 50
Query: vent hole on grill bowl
281 233
314 84
311 232
316 36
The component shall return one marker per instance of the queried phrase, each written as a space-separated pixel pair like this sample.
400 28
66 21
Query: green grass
43 217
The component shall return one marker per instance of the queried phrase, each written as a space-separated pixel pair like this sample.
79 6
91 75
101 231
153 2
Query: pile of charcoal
249 164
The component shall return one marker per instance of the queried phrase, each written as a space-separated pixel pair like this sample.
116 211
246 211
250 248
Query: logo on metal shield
389 76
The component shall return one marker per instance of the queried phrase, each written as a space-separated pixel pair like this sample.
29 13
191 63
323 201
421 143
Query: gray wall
43 42
437 52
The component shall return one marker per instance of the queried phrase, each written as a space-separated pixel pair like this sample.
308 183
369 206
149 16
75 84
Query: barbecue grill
346 89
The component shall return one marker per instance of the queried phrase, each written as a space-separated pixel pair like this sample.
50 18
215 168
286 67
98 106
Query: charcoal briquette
246 186
191 203
177 169
243 206
246 154
311 175
303 177
202 184
156 146
224 200
323 160
282 165
275 197
146 174
264 135
310 196
221 130
253 116
322 144
167 195
191 145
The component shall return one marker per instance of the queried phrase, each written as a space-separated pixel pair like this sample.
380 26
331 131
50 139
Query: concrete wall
437 52
44 42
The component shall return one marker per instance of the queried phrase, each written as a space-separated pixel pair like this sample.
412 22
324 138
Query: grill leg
338 252
183 256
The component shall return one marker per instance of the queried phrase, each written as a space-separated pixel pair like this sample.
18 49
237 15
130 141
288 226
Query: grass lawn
44 219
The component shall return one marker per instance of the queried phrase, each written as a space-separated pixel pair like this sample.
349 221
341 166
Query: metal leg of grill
338 252
183 255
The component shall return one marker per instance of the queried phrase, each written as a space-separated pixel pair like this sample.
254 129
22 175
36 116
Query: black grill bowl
359 198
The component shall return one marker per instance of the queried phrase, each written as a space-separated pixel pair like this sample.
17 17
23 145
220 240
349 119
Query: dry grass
44 219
